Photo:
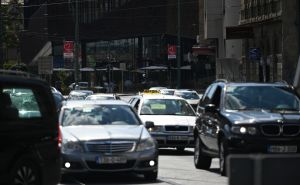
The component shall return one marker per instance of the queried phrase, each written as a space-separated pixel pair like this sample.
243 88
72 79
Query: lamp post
178 44
1 36
76 48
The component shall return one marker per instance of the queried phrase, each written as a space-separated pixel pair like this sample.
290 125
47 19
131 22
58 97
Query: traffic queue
102 133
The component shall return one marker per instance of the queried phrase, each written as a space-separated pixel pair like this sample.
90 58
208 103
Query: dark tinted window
261 97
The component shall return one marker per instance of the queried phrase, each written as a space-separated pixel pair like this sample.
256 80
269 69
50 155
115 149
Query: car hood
261 117
169 119
103 132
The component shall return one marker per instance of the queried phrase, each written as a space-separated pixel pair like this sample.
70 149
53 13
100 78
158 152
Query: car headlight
71 147
244 130
156 129
146 144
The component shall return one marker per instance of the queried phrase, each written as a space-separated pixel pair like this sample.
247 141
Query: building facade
272 53
218 17
131 32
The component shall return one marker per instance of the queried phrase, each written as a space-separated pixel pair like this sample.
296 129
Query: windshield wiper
252 109
284 110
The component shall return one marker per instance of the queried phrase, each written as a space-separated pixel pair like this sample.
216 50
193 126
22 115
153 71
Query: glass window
166 107
99 115
261 97
16 103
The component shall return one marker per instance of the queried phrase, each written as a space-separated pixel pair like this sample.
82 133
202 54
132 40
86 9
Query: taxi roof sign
147 91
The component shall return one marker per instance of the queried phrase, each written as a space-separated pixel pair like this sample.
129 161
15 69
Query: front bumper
245 145
174 139
87 162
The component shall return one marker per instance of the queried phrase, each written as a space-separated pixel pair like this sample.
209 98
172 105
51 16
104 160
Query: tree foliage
12 14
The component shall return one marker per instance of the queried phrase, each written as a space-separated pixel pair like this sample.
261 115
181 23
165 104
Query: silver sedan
106 136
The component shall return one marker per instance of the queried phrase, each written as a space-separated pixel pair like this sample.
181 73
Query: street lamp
178 45
76 52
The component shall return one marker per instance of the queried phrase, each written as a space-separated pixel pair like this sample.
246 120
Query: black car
29 132
238 118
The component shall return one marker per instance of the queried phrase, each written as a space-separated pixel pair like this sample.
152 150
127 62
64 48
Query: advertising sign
68 49
171 52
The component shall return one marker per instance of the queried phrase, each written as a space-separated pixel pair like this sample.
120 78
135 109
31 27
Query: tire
151 176
25 172
180 148
223 153
201 161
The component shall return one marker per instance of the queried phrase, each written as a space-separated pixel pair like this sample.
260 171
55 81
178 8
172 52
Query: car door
28 125
201 122
208 121
213 120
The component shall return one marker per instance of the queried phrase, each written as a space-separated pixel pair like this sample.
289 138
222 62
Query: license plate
110 160
282 149
178 138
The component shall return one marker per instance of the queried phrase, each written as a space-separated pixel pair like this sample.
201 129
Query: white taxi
173 119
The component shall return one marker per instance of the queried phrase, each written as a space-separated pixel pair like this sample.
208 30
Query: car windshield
166 107
261 97
188 95
99 115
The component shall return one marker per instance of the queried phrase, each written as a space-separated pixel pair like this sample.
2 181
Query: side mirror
210 108
149 124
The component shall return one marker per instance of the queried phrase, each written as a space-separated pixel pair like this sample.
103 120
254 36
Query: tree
13 23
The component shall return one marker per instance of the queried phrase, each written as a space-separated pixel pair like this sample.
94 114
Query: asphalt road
175 168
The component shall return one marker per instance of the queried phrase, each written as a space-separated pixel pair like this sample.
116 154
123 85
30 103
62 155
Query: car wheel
200 161
151 176
25 172
180 149
223 153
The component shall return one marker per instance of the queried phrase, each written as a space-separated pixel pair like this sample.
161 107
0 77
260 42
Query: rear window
19 103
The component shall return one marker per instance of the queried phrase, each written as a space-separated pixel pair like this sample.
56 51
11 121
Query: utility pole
178 44
76 52
1 36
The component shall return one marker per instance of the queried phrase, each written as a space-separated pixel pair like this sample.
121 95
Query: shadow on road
105 178
215 170
174 152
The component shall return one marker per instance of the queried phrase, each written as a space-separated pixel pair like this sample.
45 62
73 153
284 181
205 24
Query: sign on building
68 49
171 52
254 53
45 65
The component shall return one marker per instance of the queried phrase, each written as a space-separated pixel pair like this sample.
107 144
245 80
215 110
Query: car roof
161 96
80 91
22 80
277 84
157 88
79 103
102 94
185 91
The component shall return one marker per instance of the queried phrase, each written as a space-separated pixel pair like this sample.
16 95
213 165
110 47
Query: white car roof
102 95
160 96
75 103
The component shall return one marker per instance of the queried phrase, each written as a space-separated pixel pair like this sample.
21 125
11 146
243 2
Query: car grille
95 166
277 130
110 146
291 130
176 128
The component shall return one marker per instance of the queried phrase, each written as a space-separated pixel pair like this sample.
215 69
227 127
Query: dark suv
237 118
29 136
